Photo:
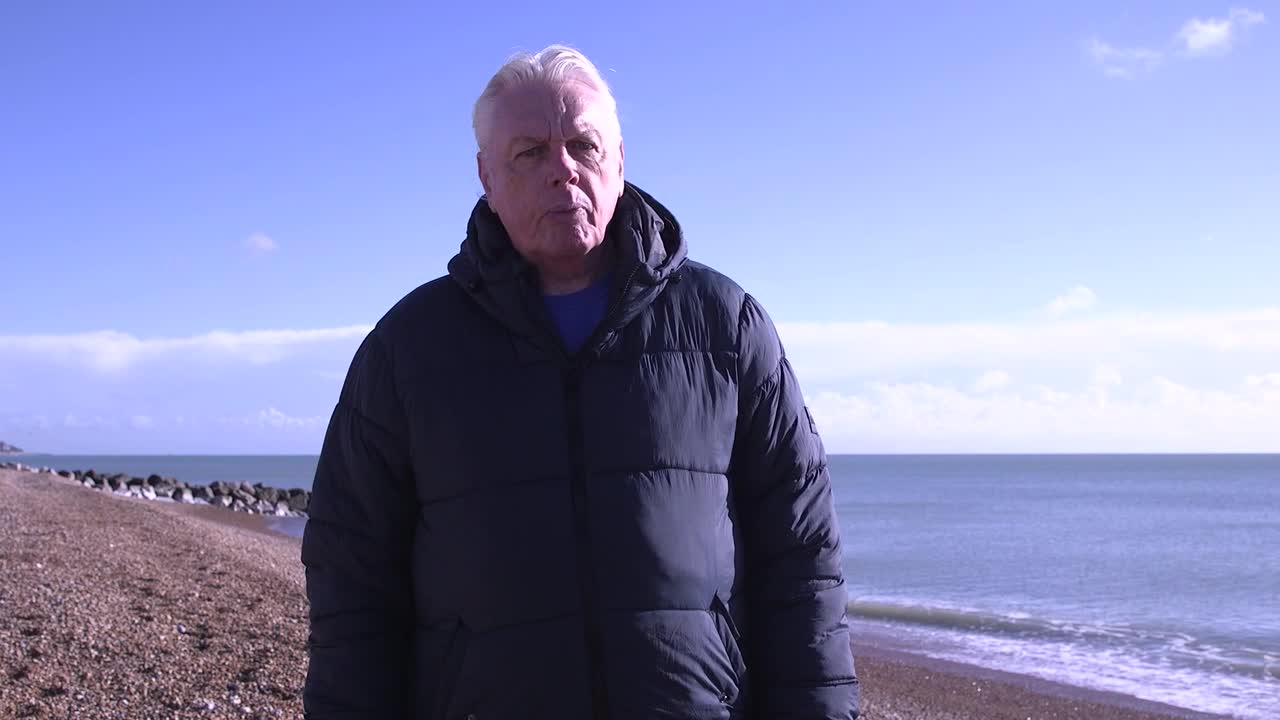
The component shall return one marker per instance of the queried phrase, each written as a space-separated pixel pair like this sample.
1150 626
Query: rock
134 481
299 502
239 506
164 489
154 480
268 494
264 507
92 475
223 500
117 482
89 484
245 498
245 486
219 488
282 508
183 495
201 492
176 483
66 474
147 492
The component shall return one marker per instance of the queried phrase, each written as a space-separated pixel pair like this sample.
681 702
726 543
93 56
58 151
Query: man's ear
622 156
480 170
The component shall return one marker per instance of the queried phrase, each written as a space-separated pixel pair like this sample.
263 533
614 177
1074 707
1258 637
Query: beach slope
112 607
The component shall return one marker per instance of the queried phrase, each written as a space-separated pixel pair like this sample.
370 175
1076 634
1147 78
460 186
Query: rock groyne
243 497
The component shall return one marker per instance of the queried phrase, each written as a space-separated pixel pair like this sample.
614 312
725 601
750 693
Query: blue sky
996 228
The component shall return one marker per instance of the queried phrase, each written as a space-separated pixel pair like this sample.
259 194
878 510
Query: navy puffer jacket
644 529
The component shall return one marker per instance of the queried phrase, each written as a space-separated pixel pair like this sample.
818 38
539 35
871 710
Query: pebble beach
119 607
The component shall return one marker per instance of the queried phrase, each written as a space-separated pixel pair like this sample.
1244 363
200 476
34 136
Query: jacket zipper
587 586
582 531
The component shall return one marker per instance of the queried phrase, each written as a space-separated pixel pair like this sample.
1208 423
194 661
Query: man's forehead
530 109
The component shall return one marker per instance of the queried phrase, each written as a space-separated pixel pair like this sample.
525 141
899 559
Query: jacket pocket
447 682
732 640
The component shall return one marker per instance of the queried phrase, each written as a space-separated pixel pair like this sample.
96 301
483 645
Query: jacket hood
649 250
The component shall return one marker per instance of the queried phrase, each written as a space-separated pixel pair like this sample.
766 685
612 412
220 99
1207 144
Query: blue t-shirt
577 314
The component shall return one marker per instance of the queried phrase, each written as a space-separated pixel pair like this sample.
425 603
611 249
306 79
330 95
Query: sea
1156 576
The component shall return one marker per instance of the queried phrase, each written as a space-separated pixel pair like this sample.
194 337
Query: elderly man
574 478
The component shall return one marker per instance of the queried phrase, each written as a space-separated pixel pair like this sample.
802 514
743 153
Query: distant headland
7 449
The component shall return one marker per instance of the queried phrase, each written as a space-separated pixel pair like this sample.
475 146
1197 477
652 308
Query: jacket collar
649 249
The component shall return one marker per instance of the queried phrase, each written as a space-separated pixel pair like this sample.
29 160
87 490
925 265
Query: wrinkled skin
551 166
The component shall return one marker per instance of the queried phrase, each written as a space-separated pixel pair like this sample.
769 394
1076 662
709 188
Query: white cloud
991 380
1122 382
870 350
259 243
1101 381
1214 36
1123 62
1077 298
1158 415
1196 38
1106 376
272 417
76 421
111 351
31 422
1268 380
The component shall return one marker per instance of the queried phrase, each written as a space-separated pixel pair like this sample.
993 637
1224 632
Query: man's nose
564 168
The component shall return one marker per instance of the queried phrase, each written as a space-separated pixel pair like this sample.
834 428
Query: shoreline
980 692
197 609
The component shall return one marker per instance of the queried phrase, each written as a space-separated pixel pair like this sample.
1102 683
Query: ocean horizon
1153 575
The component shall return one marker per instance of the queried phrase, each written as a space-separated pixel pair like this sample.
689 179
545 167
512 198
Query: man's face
551 167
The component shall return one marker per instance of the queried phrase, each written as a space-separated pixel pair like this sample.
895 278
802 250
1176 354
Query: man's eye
530 152
583 145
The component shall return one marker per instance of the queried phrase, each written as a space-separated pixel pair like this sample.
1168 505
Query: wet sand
113 607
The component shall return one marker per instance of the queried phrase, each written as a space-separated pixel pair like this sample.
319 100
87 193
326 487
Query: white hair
554 66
